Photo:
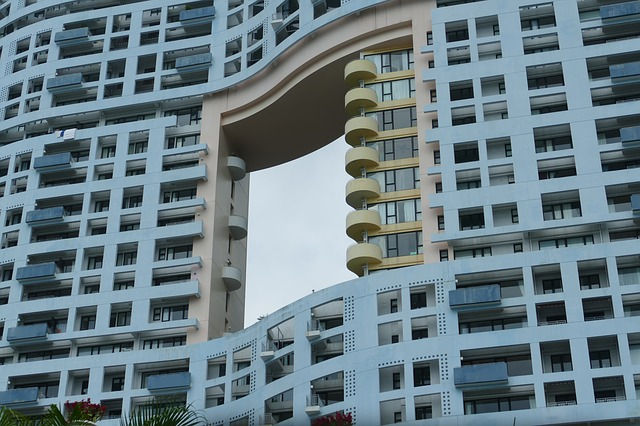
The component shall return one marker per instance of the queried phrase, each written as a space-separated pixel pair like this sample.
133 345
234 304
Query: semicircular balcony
358 70
359 97
360 221
361 189
232 278
360 157
362 254
360 127
237 167
237 227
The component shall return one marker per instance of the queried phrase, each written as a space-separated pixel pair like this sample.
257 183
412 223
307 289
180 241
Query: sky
296 240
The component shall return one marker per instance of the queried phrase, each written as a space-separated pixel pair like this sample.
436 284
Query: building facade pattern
496 144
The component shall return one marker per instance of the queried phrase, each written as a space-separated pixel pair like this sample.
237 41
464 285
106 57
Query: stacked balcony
45 216
481 374
171 382
54 161
65 83
19 397
475 296
201 61
197 16
27 333
72 37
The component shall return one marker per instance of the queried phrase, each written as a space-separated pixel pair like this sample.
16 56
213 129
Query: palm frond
163 415
9 417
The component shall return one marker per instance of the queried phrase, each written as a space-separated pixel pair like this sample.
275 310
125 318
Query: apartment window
394 90
138 147
180 141
418 300
514 216
398 179
561 210
419 333
171 313
399 211
132 201
170 342
491 405
600 359
117 384
517 248
440 223
396 149
397 417
438 187
104 349
395 338
554 144
400 60
108 151
87 322
436 156
101 206
179 252
179 195
396 381
395 245
470 221
429 38
565 242
444 255
91 289
393 306
561 362
589 281
553 285
433 97
400 118
186 116
120 319
123 285
424 413
476 252
94 262
421 376
507 149
127 258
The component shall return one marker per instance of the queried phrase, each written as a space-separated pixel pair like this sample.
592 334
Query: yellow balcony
360 157
360 221
362 254
360 97
357 70
360 127
361 189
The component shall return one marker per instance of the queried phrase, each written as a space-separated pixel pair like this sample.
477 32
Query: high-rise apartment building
494 153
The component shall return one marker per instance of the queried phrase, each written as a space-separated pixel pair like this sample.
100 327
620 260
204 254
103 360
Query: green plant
164 415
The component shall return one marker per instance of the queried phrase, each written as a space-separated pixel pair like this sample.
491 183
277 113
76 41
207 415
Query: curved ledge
362 254
232 278
360 221
360 127
360 157
361 189
236 167
360 97
357 70
237 227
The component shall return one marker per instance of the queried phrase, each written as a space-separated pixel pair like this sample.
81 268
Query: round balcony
362 254
360 97
357 70
237 227
237 167
361 189
360 221
358 158
360 127
232 278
